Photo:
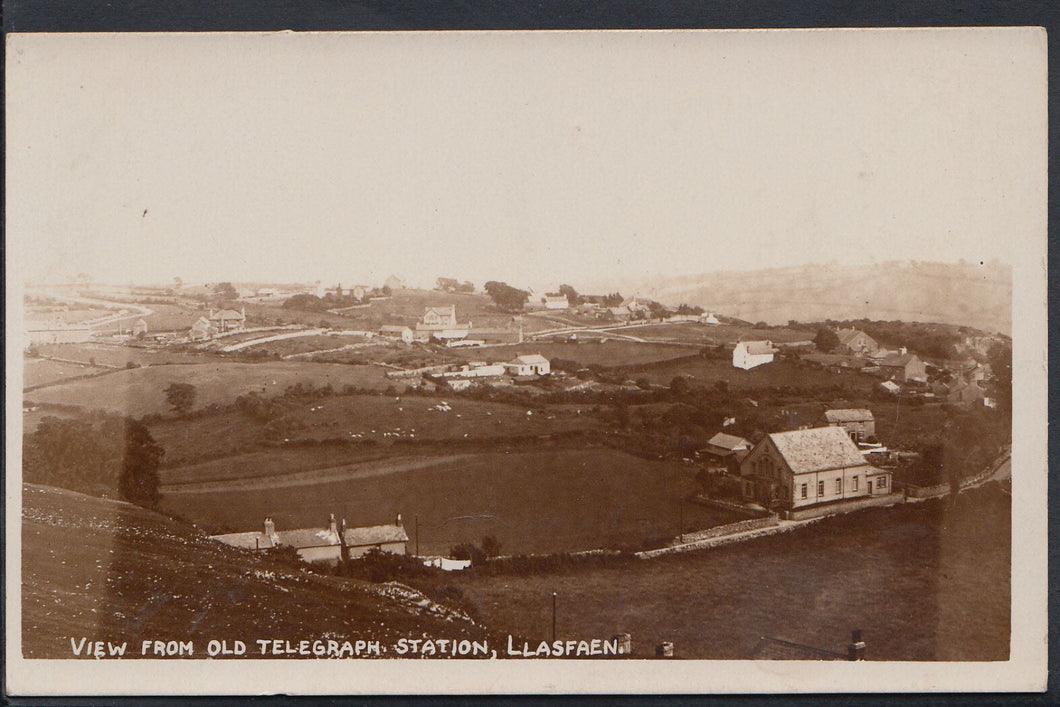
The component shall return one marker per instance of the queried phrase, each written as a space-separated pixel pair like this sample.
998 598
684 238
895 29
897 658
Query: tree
224 292
491 547
138 481
679 385
506 297
573 298
826 340
180 396
446 284
613 300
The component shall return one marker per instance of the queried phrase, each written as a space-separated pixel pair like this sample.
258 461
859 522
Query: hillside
108 570
966 295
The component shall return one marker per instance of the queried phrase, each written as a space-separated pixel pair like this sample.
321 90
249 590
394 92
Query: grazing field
704 371
716 333
39 371
360 417
927 581
163 317
132 575
305 344
139 391
120 355
533 502
612 353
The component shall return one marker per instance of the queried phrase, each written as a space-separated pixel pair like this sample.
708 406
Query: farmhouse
789 470
529 365
858 422
749 354
854 341
323 544
439 317
201 329
965 394
724 452
556 302
904 368
394 331
394 283
226 320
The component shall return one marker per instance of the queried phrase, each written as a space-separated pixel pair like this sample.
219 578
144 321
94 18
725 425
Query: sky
532 158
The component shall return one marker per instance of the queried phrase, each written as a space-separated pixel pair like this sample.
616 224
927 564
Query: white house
323 544
709 318
529 365
749 354
556 302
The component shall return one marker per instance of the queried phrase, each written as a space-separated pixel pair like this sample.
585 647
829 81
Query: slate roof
729 442
376 535
757 347
302 538
226 314
395 328
848 335
817 449
898 360
256 540
530 359
848 415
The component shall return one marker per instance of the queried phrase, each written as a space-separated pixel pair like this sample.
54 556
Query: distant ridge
962 294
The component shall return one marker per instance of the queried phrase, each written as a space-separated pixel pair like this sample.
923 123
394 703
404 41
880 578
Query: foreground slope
108 570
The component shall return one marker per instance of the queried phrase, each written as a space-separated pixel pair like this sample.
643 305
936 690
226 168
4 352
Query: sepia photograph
446 362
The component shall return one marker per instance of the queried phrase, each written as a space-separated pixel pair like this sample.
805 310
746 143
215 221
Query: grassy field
120 355
361 417
716 334
926 581
611 353
704 371
38 371
533 502
163 317
140 391
133 575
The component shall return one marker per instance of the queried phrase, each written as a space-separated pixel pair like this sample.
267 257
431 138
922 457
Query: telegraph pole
417 519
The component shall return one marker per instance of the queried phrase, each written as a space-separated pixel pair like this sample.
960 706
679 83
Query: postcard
507 362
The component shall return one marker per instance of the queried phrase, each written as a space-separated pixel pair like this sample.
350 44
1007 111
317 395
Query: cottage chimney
397 521
332 526
903 351
856 649
270 527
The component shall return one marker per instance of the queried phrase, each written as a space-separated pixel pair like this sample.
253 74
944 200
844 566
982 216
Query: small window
803 490
820 488
881 482
854 483
839 485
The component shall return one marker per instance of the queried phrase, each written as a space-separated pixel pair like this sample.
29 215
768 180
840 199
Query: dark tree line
105 455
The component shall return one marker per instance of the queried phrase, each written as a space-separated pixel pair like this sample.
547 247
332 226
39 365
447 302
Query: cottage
358 292
858 422
228 320
709 318
139 328
394 283
556 302
789 470
201 329
904 368
965 394
724 452
439 317
529 365
891 387
323 544
749 354
394 331
854 341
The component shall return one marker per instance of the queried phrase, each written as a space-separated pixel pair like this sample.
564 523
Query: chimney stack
397 521
270 527
856 649
332 527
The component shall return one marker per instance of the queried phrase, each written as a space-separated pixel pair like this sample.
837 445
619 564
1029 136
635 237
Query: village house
858 422
854 341
226 320
556 302
394 283
964 393
328 544
790 470
358 292
396 331
724 453
749 354
201 329
904 368
528 365
440 323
